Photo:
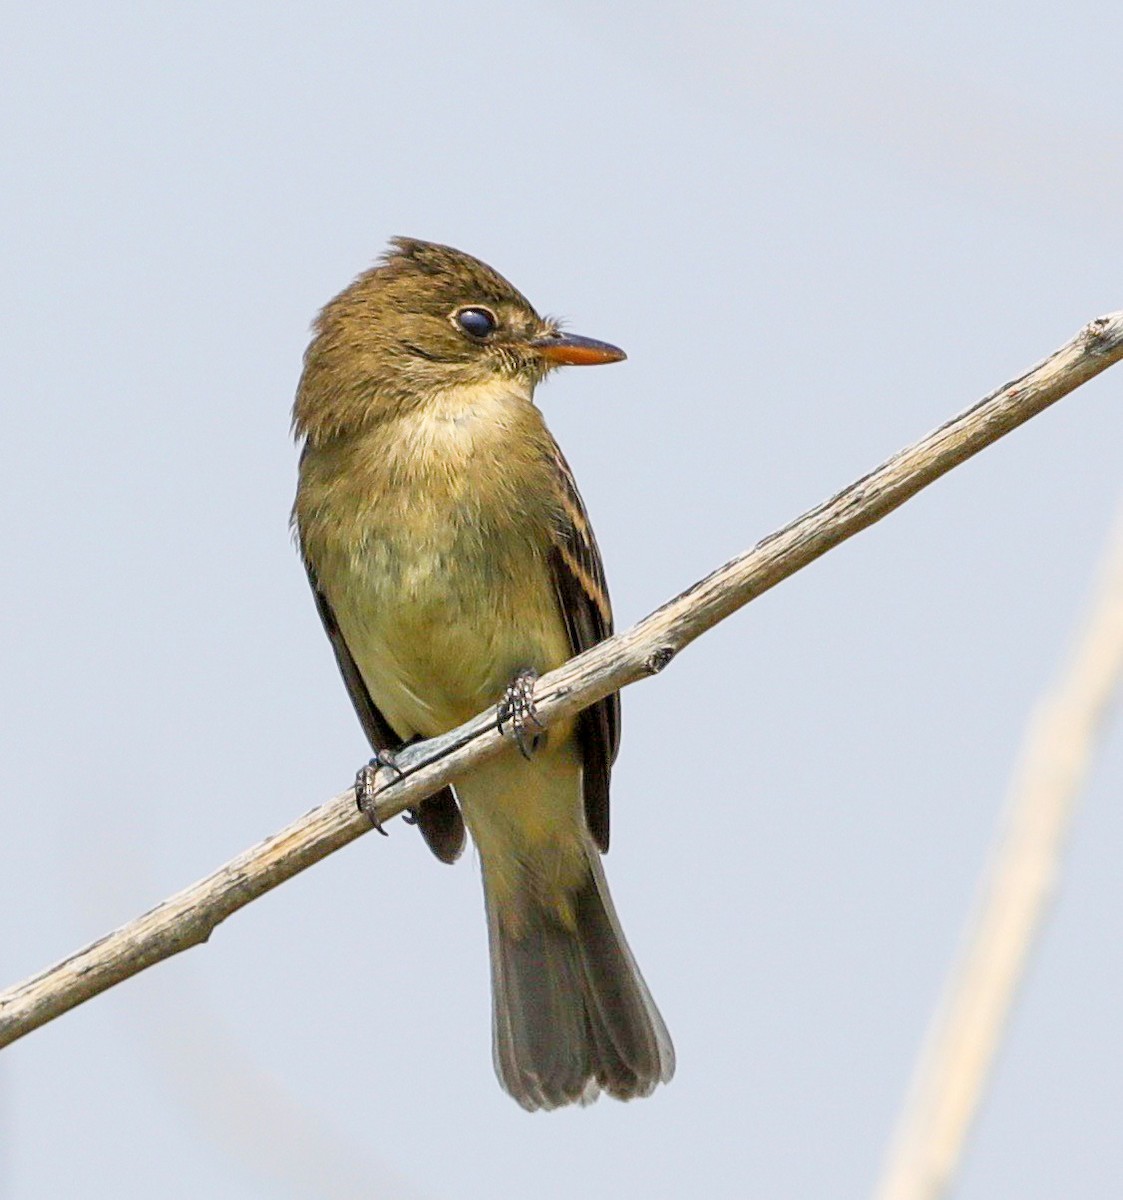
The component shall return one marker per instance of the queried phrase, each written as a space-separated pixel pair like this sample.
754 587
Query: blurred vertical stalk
1017 885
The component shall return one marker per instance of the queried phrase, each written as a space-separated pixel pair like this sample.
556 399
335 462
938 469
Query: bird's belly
438 625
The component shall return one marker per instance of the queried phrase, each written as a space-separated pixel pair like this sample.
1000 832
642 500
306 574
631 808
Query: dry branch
955 1061
188 918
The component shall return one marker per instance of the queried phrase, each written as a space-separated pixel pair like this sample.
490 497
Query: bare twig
188 918
1017 885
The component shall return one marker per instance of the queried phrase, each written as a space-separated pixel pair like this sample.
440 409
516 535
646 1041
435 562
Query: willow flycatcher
452 561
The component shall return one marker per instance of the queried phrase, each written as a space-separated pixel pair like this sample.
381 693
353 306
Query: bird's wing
583 598
438 817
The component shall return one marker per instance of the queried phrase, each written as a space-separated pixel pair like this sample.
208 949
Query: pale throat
471 414
470 460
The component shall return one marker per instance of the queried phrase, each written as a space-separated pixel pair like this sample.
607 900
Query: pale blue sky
818 231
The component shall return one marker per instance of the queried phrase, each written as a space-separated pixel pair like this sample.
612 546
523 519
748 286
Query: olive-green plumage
449 551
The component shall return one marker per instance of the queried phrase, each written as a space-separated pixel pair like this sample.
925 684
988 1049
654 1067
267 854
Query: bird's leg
366 791
517 710
410 814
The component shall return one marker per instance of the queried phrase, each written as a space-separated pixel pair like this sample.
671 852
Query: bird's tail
572 1014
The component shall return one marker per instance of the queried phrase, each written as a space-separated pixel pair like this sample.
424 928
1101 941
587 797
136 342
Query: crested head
425 319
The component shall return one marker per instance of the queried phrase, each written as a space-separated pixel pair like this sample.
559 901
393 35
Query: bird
452 561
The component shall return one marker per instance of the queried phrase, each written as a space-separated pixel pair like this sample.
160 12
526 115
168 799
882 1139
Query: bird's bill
572 350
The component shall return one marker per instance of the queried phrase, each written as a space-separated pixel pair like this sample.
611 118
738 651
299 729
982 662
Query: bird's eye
476 322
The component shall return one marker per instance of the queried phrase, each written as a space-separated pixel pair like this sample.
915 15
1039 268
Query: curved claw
518 712
366 786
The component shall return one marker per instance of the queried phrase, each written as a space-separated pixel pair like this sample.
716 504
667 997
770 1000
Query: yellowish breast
429 536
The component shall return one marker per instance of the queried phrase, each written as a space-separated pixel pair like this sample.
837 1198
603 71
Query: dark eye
476 322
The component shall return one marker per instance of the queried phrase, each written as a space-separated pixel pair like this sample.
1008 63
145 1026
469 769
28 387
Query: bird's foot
366 786
517 711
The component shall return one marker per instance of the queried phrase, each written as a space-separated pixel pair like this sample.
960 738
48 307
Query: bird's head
425 319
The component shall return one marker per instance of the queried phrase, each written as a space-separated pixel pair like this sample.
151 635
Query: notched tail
572 1014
